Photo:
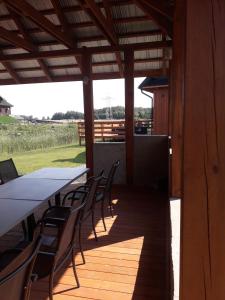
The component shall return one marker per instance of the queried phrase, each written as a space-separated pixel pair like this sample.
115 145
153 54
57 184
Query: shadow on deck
131 261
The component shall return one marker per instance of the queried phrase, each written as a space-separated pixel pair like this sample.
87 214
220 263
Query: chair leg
50 286
74 270
110 205
80 245
102 213
93 223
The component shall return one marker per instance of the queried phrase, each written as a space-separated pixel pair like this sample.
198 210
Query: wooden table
24 194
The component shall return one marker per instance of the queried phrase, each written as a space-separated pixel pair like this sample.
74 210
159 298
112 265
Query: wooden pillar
161 111
88 109
203 163
177 75
129 113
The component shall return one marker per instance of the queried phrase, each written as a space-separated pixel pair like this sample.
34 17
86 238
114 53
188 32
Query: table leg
31 224
57 199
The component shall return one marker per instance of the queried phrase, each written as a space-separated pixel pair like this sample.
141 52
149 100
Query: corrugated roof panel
24 64
105 69
42 37
140 39
135 27
30 74
126 11
2 67
52 47
14 51
103 57
9 25
28 23
87 31
40 4
3 10
54 19
148 53
93 44
147 66
60 61
66 71
5 76
77 17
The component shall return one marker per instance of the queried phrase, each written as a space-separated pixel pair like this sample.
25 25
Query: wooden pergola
57 40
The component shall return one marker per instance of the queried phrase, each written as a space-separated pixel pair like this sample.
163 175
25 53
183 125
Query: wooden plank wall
160 112
203 203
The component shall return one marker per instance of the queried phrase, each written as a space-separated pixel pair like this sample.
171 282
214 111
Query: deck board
129 262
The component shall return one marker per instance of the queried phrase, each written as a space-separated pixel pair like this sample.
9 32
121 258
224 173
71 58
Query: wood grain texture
88 108
203 205
129 261
129 113
161 111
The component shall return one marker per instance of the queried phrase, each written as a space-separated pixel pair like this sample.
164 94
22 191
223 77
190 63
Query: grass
7 120
61 156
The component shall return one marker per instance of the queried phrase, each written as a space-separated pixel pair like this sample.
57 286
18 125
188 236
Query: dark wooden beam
25 34
65 26
90 50
110 21
12 72
161 6
129 113
15 39
164 23
26 10
88 109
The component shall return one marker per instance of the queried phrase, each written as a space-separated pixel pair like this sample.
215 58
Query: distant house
5 107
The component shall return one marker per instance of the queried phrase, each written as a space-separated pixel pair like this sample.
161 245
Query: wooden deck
130 261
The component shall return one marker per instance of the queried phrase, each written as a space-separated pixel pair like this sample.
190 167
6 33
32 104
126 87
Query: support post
129 113
88 109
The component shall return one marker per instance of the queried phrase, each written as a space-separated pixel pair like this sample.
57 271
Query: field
36 146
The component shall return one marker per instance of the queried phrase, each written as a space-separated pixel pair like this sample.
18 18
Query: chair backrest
111 175
7 170
15 276
90 198
67 233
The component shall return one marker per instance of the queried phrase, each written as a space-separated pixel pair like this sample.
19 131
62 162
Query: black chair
104 193
16 271
9 172
85 194
56 249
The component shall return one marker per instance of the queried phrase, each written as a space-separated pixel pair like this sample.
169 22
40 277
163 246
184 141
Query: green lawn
7 120
61 156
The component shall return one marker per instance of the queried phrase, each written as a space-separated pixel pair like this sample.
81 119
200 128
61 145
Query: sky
45 99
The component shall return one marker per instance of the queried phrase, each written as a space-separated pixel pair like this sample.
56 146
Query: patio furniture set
49 242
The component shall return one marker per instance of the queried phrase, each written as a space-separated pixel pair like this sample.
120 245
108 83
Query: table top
13 212
33 189
58 173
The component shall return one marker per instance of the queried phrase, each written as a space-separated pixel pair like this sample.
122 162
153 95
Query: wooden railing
110 130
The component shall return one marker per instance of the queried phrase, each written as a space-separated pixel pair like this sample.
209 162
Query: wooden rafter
161 7
65 26
26 10
11 71
163 22
92 50
110 21
26 36
15 39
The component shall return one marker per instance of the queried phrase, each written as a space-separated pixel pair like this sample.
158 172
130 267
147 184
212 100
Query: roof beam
10 70
26 36
26 10
14 39
92 50
161 7
110 21
65 26
163 22
99 19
